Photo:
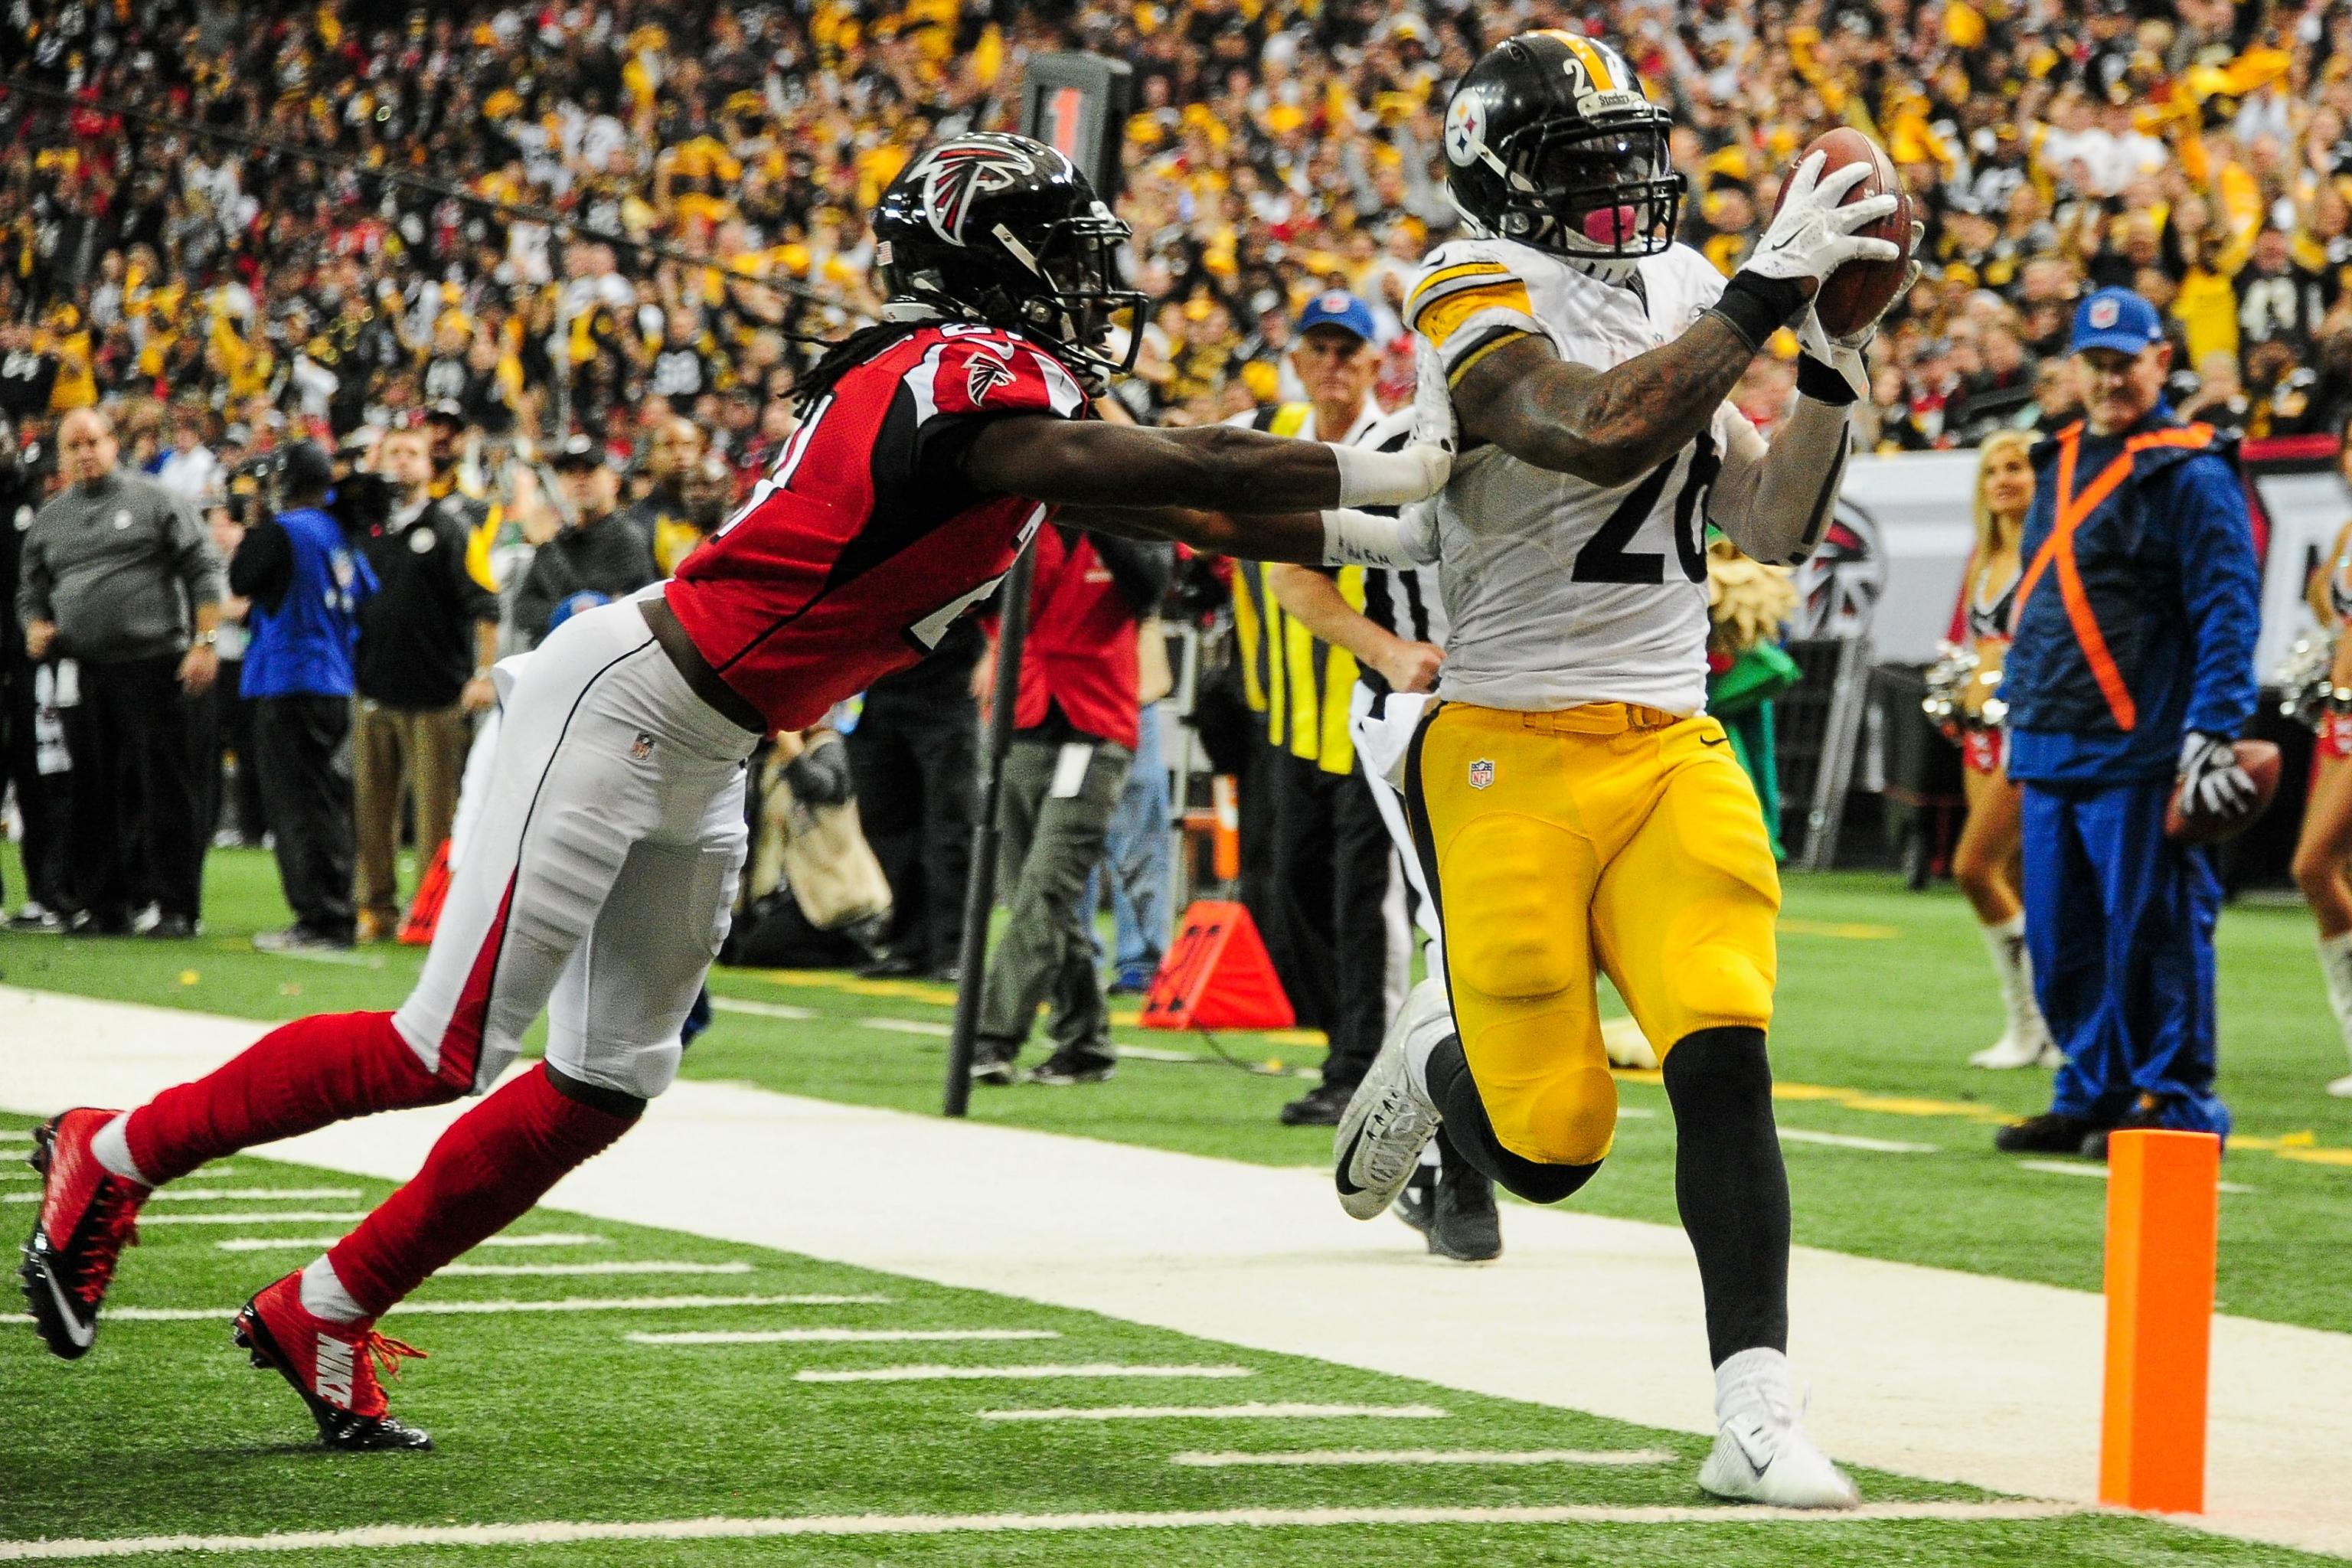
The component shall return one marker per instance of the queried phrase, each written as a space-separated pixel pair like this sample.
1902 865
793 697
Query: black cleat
2048 1133
87 1216
1321 1105
1466 1229
331 1365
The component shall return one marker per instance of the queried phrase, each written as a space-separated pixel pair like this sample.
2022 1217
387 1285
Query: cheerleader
2322 854
1986 864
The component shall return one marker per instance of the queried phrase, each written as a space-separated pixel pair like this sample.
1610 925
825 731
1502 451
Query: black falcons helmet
1550 140
1001 229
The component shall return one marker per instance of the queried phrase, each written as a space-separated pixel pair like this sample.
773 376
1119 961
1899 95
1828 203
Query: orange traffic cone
1217 976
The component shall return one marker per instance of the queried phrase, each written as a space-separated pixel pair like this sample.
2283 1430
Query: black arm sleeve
263 568
1141 571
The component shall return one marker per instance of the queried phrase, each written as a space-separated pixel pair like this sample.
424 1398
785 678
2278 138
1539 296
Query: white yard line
222 1195
764 1009
1082 1369
290 1217
569 1532
1256 1412
1423 1456
909 1027
1926 1372
834 1336
528 1239
500 1308
555 1271
2093 1171
1841 1140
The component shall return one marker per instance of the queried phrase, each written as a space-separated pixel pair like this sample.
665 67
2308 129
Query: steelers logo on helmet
1561 150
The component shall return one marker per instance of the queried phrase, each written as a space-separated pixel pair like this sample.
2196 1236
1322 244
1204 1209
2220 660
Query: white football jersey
1560 591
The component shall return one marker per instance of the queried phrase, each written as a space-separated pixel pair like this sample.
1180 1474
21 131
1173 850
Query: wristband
1822 383
1757 307
1367 539
1368 477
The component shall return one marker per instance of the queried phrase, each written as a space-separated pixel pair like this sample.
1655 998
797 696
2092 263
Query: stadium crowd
604 239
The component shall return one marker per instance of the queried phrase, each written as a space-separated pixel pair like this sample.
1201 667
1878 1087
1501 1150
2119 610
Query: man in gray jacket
120 576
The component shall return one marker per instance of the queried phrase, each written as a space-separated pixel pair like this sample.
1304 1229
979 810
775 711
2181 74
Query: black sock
1731 1186
1473 1137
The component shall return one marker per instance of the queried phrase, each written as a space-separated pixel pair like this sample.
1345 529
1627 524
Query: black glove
820 775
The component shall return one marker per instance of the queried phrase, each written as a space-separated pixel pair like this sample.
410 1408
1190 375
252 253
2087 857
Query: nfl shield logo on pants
1482 774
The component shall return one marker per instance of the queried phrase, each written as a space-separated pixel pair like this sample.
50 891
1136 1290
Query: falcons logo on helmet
983 376
956 172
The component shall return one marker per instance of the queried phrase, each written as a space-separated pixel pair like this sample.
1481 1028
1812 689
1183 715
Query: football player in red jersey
599 880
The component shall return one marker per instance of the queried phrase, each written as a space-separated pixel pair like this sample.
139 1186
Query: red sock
489 1169
296 1079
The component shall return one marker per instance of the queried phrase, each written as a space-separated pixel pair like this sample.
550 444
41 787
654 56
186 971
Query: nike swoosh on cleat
79 1332
1346 1160
1748 1452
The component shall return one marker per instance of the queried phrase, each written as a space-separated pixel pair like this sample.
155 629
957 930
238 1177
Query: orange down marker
2163 1213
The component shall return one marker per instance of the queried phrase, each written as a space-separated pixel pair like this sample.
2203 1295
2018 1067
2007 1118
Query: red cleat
88 1215
331 1365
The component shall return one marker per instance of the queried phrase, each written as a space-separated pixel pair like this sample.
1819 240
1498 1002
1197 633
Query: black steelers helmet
997 229
1550 140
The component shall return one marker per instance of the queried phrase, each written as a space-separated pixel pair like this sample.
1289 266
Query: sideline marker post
2163 1219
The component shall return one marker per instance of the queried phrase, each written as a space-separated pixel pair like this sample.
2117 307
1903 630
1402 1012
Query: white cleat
2015 1050
1761 1455
2342 1088
1390 1120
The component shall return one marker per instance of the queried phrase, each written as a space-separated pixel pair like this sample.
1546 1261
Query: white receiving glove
1812 236
1848 356
2212 783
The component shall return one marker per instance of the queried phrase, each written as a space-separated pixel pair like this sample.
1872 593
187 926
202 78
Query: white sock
324 1295
1421 1043
2335 966
113 1147
2014 966
1758 1375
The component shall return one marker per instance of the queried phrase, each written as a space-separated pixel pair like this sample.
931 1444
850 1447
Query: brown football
1854 295
2260 761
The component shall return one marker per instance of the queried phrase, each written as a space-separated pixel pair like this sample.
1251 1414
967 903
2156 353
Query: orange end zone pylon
1216 975
2163 1222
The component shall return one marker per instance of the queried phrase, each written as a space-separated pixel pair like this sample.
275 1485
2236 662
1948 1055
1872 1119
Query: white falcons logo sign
959 171
986 374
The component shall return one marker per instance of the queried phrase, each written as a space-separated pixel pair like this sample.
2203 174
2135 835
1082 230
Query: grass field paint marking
909 1027
222 1195
560 1270
383 1537
329 955
1845 931
500 1308
1841 1141
2097 1173
785 1010
286 1216
532 1238
834 1336
1420 1457
1269 1412
1084 1369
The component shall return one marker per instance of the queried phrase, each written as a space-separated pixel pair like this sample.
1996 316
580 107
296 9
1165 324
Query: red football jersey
864 542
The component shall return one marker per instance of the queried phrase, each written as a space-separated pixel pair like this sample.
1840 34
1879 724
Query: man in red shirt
1073 736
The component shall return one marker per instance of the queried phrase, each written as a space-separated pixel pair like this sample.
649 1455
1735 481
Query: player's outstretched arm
1612 427
1333 537
1213 468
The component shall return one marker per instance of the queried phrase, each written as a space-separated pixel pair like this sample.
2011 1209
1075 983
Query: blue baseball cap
2116 319
1337 308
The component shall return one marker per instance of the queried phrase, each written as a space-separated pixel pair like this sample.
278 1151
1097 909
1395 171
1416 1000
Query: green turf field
543 1416
1883 994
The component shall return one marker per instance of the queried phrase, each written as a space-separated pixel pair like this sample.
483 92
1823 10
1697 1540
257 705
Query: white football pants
599 877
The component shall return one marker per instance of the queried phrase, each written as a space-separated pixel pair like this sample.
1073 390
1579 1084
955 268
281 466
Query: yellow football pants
1609 833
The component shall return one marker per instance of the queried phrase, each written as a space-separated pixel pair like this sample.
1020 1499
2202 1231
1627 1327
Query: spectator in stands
428 639
1075 733
662 515
305 584
189 469
599 551
119 575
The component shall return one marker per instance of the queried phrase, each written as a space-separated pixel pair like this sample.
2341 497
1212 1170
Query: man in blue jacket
2131 674
307 586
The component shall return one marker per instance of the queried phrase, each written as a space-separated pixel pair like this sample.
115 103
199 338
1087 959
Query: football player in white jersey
1575 810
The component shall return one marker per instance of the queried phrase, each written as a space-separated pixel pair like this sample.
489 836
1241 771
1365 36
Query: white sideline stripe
834 1336
909 1025
497 1308
1431 1457
216 1194
563 1531
993 1374
2093 1171
1219 1413
647 1266
1154 1054
1843 1140
537 1238
764 1009
292 1216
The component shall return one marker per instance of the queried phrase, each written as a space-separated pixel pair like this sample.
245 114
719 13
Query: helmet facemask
1601 196
1075 312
